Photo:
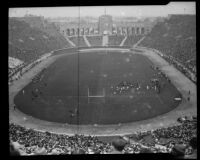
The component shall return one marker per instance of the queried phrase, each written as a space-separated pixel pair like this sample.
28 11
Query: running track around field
182 83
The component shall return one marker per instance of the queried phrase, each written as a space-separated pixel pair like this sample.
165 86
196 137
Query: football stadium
86 86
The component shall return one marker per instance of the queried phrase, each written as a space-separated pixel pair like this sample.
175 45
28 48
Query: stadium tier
26 42
26 55
175 37
78 41
163 140
115 40
131 40
95 40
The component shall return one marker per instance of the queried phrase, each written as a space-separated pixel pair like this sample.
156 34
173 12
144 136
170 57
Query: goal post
98 97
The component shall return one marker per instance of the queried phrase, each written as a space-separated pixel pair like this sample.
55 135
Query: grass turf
58 93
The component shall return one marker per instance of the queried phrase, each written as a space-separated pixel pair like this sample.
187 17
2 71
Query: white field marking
100 96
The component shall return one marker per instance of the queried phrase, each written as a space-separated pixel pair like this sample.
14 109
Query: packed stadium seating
131 40
13 65
25 55
78 41
161 140
27 43
43 25
95 40
175 37
115 40
14 62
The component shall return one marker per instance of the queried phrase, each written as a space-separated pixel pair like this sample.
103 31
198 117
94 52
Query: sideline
182 83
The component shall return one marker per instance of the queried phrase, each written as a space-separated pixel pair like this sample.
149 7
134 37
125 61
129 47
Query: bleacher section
27 43
80 43
115 40
162 140
131 40
14 62
175 37
22 54
95 40
43 25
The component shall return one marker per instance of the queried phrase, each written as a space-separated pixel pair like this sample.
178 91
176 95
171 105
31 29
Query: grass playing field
53 95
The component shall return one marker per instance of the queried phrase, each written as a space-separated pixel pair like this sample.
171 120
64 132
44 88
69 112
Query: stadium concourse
163 133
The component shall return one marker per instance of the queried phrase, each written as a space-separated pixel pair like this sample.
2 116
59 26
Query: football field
53 95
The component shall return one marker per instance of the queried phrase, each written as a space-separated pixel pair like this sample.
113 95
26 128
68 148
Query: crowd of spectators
115 40
26 55
95 40
176 39
187 71
131 40
30 37
14 69
175 139
19 71
15 73
78 41
182 68
28 43
45 26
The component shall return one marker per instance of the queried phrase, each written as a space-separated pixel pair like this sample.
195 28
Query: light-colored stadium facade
106 25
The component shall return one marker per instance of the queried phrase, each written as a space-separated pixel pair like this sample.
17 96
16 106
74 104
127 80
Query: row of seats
131 40
29 38
27 43
113 40
180 140
78 41
95 40
175 37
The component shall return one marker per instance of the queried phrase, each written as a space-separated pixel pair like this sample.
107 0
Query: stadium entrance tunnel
98 86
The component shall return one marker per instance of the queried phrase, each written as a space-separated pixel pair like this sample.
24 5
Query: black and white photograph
103 80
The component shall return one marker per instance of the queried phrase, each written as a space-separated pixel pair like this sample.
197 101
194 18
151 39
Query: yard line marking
159 99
